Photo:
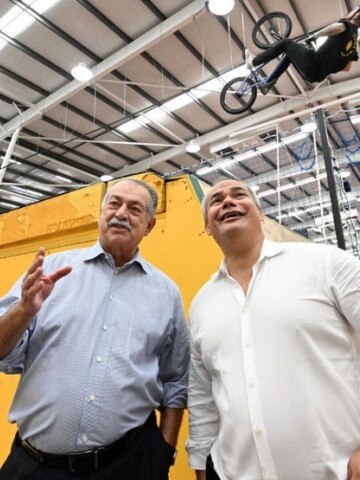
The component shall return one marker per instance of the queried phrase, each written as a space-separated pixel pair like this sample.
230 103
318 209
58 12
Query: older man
274 390
100 344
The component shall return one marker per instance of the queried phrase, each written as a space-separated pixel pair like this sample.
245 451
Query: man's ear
207 229
150 226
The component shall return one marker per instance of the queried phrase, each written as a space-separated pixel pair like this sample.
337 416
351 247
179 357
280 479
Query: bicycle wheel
238 95
270 29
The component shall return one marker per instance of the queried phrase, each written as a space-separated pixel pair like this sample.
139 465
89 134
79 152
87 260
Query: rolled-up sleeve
14 361
174 361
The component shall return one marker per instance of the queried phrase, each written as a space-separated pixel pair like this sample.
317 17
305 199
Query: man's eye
136 209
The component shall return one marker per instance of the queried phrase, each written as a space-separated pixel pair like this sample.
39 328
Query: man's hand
36 286
354 466
35 289
200 475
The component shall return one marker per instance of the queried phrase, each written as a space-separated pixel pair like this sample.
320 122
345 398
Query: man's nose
122 211
228 201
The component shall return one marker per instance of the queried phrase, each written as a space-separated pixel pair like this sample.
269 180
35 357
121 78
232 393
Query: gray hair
205 200
152 192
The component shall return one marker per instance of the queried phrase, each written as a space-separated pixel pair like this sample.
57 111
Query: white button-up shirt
274 387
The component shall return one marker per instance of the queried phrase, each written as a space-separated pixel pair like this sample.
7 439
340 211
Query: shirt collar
97 251
269 249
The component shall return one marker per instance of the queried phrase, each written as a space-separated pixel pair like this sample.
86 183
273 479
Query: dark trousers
210 471
303 59
148 458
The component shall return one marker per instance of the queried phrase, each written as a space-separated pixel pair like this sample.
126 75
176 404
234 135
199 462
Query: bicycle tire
270 29
233 100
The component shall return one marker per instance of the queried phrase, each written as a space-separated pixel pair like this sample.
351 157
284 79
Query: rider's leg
270 53
299 55
304 60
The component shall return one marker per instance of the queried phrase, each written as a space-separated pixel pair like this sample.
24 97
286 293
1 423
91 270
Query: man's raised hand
36 287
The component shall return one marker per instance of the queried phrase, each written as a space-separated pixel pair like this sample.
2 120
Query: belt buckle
91 455
73 457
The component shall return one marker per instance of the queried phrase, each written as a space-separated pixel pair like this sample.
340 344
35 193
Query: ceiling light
192 147
129 126
294 138
344 173
81 72
205 170
62 178
246 155
7 204
227 163
355 119
255 188
106 178
240 71
178 102
309 127
221 7
268 147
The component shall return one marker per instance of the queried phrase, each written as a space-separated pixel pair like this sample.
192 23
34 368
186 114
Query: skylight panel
17 20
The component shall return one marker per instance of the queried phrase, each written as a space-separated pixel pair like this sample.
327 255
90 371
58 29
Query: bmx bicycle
239 94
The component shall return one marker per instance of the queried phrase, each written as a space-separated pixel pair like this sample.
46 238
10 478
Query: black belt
87 460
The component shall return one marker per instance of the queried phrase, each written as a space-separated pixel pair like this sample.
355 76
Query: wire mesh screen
287 170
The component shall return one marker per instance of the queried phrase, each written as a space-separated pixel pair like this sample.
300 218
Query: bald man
274 389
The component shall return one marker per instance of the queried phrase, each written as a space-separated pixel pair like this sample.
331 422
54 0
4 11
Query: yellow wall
178 245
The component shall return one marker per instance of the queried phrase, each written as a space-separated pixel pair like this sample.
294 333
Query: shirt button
111 298
269 477
92 397
104 327
247 344
99 359
258 431
251 384
85 438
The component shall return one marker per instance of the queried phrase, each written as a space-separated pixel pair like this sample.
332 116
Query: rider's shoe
249 57
266 87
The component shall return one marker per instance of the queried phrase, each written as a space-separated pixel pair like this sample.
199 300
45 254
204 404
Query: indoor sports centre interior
92 91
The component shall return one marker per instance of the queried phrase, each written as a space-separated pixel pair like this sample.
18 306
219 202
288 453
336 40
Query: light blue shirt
107 347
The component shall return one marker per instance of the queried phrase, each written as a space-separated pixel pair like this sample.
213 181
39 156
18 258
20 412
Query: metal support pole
8 154
331 180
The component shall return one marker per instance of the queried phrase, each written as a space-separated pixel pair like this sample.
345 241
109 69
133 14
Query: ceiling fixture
221 7
355 119
106 178
192 147
81 72
309 127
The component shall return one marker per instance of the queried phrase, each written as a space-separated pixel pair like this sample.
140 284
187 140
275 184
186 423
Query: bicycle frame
261 81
